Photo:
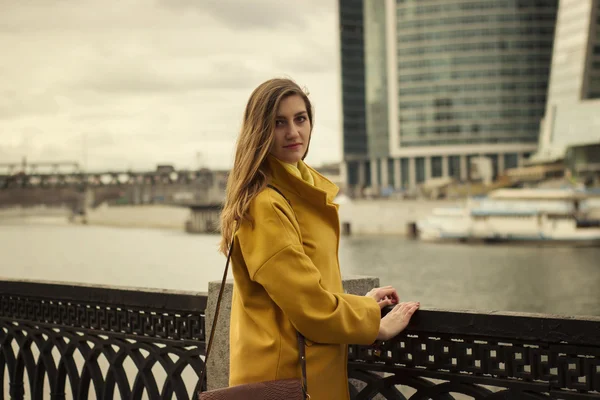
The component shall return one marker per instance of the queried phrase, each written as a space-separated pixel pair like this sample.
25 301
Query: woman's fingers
385 302
406 307
410 310
399 317
387 291
388 296
395 296
382 292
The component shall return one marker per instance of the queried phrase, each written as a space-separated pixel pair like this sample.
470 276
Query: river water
557 280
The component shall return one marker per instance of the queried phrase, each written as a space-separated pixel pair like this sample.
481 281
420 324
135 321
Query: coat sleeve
275 258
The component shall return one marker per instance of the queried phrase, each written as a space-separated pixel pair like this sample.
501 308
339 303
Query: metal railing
98 342
80 342
444 354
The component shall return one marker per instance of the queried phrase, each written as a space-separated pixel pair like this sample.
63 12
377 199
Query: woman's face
292 130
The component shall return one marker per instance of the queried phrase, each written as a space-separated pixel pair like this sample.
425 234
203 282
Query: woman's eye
301 119
279 123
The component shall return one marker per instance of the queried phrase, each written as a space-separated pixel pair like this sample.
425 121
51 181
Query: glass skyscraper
443 81
352 46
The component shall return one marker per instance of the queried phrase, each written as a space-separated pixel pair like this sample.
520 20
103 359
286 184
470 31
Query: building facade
572 117
352 49
443 81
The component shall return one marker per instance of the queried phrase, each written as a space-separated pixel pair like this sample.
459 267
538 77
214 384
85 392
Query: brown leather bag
281 389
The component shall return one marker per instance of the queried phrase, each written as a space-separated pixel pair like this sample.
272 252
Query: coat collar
323 191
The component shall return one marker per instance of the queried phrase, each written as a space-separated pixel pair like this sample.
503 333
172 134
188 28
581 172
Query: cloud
15 105
141 82
256 14
141 78
98 139
155 82
84 16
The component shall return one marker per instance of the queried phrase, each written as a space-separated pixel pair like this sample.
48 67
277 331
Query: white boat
519 215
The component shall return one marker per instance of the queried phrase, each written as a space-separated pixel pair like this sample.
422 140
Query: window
454 166
404 172
420 169
436 167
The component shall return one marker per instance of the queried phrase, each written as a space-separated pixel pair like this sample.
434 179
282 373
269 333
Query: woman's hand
384 296
396 320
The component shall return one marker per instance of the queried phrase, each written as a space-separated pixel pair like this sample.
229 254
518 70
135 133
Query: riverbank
34 215
387 217
365 217
139 216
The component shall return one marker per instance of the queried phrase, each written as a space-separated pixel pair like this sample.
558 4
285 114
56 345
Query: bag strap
299 336
216 318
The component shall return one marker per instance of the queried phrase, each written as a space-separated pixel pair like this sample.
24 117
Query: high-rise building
352 46
429 84
572 118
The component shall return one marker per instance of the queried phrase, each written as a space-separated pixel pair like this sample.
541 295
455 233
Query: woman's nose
292 131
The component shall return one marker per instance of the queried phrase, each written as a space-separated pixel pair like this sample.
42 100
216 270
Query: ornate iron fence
444 355
102 343
83 342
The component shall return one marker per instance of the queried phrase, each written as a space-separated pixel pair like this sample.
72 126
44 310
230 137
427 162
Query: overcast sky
134 83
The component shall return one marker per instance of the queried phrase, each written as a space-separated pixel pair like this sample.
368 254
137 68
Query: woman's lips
293 146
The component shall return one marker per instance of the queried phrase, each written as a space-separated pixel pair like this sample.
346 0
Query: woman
284 260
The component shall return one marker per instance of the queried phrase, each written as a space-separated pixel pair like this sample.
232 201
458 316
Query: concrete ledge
218 365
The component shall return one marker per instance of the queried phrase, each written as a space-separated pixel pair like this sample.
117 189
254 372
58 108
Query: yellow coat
287 277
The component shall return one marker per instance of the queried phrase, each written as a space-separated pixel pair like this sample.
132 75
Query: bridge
32 168
69 174
65 184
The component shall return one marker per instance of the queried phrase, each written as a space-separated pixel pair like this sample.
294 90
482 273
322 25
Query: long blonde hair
250 172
